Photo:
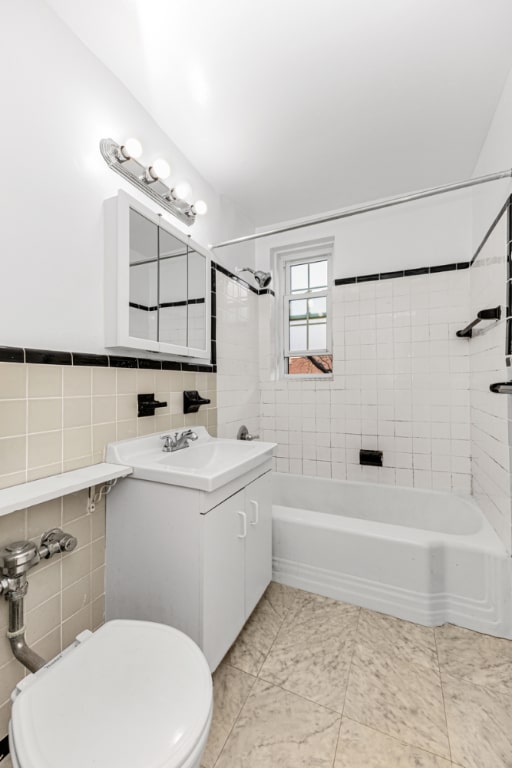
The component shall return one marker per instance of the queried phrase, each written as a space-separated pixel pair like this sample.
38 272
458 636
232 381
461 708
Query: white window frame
288 258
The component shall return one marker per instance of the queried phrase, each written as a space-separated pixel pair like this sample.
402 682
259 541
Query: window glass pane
317 307
318 274
298 337
299 278
314 364
298 309
317 336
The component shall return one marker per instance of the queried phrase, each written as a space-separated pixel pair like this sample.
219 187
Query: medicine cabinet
157 292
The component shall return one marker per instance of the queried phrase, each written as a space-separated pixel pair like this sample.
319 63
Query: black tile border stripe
48 357
402 273
507 206
57 357
85 359
12 355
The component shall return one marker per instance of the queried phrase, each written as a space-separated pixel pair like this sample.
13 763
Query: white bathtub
424 556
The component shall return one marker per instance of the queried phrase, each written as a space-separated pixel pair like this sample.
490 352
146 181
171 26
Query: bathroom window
306 315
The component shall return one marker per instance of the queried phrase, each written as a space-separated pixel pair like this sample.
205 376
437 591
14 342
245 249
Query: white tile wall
237 357
491 413
400 385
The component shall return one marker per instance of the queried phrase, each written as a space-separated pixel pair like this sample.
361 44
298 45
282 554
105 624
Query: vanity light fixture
181 191
159 169
123 159
131 149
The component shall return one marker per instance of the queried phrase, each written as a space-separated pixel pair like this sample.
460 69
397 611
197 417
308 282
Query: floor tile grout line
356 631
337 743
356 634
410 744
295 693
287 690
442 694
275 636
402 740
256 677
236 718
337 713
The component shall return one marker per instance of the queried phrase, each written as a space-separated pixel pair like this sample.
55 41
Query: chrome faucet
177 441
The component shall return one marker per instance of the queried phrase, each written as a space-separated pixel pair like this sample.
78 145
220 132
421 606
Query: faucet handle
244 434
169 441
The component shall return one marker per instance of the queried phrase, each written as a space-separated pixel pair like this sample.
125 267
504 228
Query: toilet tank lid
135 694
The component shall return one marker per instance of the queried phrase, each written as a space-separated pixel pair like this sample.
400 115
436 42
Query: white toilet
133 694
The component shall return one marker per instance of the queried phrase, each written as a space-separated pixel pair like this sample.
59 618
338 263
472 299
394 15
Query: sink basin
207 464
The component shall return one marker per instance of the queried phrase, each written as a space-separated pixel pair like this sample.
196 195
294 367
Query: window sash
287 325
293 262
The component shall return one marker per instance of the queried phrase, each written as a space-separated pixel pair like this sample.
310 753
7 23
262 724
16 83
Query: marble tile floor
315 683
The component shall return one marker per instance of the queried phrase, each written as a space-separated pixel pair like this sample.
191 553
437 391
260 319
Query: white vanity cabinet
195 560
236 542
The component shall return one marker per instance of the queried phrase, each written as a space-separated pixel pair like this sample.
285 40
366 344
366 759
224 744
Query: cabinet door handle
244 523
256 516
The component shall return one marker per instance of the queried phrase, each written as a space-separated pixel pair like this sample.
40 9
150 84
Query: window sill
308 377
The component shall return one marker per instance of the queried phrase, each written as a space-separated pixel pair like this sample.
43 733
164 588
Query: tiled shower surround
400 385
237 356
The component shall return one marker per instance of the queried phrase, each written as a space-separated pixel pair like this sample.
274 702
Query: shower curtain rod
387 203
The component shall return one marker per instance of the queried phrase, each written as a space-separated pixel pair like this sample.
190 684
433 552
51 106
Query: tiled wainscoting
400 385
55 418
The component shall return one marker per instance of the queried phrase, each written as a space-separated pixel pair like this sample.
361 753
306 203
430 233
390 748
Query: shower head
262 278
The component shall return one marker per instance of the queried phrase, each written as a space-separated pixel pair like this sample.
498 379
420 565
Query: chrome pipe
369 207
16 636
16 559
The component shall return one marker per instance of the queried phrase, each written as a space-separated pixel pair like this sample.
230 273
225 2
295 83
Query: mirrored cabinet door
143 280
157 284
172 292
196 307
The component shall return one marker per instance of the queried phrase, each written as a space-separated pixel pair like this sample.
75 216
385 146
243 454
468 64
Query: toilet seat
133 694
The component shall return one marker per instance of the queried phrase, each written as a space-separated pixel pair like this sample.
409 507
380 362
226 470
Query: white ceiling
292 108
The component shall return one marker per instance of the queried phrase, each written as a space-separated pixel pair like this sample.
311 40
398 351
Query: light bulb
200 207
159 169
182 190
132 148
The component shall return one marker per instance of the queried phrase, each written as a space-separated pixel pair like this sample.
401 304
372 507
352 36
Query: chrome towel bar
501 387
485 314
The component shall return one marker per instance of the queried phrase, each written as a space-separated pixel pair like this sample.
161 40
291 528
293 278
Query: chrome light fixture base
136 173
